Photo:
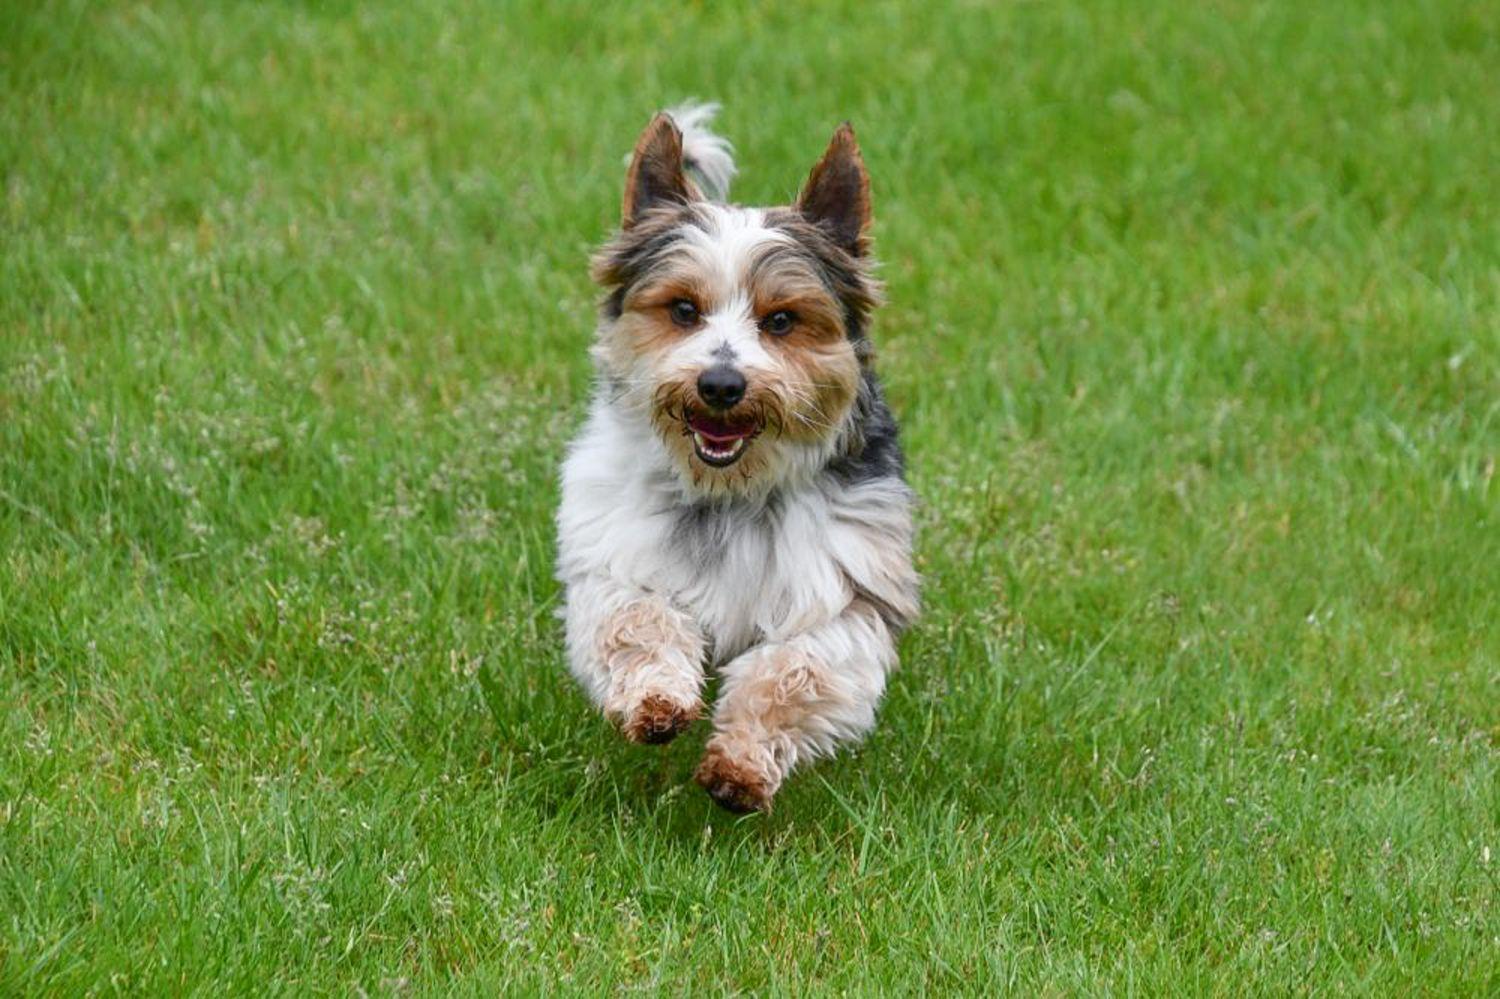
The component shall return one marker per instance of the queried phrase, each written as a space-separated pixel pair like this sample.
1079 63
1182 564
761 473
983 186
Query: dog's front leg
786 701
640 658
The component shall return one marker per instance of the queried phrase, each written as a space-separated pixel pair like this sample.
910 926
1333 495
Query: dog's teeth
710 449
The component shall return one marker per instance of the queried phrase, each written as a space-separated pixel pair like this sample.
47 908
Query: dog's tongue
719 431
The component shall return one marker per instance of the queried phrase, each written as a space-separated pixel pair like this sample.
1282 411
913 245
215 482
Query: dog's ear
655 176
837 194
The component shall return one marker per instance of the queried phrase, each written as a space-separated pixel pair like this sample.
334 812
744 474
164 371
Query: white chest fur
745 570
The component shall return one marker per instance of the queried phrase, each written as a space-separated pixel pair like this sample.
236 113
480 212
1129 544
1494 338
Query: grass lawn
1194 328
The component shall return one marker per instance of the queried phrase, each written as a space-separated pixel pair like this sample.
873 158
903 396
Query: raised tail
707 157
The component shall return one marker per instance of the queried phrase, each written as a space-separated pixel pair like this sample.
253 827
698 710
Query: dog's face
738 332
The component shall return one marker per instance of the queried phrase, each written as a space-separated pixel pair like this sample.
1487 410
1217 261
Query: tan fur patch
676 397
779 696
821 375
823 385
741 767
733 784
640 624
659 720
678 280
647 648
639 333
837 192
655 173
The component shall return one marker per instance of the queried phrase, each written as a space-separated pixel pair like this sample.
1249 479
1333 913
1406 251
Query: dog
736 497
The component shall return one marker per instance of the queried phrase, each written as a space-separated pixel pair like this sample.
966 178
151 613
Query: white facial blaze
724 249
730 335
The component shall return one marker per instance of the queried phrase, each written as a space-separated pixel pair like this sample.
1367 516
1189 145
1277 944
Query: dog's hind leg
639 658
788 701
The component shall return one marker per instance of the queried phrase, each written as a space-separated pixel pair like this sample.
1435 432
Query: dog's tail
707 157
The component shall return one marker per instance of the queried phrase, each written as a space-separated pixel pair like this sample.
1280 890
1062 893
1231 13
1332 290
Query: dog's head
738 333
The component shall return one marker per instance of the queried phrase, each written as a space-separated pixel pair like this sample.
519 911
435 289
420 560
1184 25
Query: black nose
721 386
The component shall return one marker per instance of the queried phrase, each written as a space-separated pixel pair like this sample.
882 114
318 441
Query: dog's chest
753 573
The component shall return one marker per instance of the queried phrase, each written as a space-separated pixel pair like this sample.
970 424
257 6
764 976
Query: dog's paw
733 784
658 720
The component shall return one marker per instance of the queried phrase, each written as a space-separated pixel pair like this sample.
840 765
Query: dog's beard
749 448
733 443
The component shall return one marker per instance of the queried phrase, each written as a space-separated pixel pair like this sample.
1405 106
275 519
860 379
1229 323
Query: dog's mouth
719 442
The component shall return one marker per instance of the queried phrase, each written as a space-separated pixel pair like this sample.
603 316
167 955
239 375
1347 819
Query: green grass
1194 327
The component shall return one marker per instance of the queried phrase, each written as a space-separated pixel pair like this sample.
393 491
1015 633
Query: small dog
736 495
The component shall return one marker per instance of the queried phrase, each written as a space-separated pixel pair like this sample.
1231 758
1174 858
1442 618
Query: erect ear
655 175
837 193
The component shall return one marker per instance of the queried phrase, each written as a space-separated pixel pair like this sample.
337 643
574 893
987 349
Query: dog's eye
779 323
684 313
